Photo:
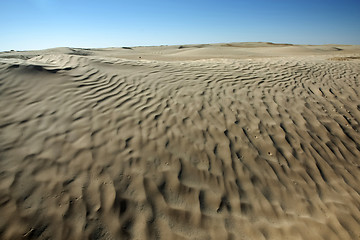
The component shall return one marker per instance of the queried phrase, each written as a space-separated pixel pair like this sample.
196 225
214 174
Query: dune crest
184 143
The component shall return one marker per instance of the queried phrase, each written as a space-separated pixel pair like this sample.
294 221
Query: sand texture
222 141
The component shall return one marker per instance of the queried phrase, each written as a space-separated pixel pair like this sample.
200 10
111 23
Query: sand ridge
98 144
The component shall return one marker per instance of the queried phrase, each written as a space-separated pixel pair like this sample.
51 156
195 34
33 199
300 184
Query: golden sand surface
213 141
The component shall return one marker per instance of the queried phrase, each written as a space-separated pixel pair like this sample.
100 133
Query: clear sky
39 24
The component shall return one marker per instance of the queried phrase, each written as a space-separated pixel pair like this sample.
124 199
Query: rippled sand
224 141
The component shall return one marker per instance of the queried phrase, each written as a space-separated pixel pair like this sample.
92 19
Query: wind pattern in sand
106 148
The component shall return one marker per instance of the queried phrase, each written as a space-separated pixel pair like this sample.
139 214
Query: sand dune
239 141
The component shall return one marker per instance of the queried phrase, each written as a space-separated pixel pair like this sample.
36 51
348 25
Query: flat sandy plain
217 141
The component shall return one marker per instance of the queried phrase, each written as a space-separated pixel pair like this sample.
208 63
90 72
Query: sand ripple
107 148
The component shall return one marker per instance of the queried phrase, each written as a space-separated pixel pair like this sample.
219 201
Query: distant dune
210 141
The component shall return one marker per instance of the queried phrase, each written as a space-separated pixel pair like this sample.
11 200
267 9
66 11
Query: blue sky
39 24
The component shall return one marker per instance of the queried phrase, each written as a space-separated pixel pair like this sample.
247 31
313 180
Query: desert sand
212 141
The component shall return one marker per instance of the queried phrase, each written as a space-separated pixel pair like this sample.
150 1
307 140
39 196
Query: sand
213 141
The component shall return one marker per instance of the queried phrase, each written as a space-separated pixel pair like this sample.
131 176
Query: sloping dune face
104 148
